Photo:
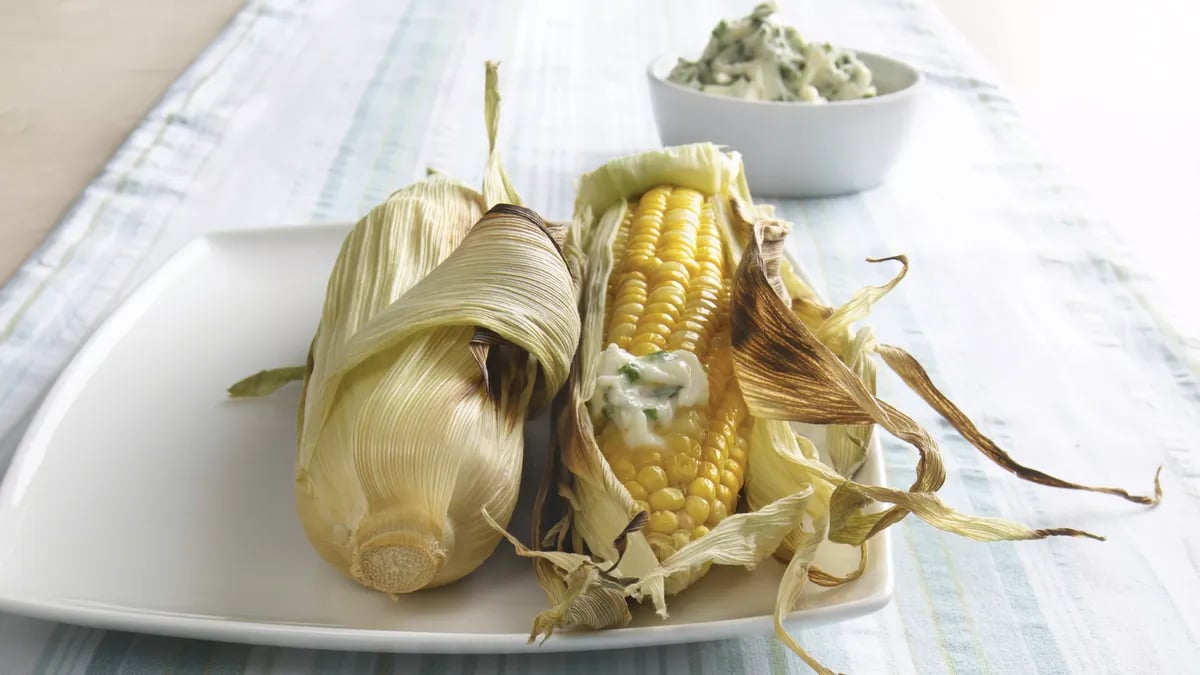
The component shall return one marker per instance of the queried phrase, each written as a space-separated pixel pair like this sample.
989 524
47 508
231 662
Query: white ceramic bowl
796 149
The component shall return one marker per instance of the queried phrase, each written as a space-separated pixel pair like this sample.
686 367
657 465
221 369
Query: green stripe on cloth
398 97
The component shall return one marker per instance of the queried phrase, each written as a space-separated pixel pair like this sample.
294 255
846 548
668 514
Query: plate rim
90 355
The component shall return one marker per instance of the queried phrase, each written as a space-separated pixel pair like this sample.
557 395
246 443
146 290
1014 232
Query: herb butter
642 395
755 58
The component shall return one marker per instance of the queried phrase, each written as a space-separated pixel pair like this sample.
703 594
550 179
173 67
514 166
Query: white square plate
142 499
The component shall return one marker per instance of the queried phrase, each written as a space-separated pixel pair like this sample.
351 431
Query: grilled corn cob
701 343
669 294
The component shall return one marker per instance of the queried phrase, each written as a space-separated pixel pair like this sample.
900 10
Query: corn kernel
653 327
697 508
652 477
718 513
720 441
688 424
682 469
681 539
643 457
659 312
648 344
669 293
677 443
636 490
671 271
686 522
702 488
725 495
699 531
714 455
684 339
623 470
629 309
710 471
663 521
667 499
730 480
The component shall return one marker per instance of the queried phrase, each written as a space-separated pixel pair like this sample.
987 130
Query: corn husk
796 360
449 318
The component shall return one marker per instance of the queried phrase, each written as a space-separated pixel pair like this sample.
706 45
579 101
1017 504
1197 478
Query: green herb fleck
651 414
630 371
666 391
762 11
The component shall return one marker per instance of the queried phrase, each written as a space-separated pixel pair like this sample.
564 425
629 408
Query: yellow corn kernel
682 469
686 523
636 490
703 488
697 508
681 538
648 456
623 469
677 443
725 495
667 499
718 513
652 477
663 521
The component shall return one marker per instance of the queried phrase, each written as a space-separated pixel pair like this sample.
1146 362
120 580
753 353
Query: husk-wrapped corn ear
450 316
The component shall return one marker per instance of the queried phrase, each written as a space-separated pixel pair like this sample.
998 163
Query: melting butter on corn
641 395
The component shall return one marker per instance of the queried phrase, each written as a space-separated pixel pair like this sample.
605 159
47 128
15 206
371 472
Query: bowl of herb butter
810 119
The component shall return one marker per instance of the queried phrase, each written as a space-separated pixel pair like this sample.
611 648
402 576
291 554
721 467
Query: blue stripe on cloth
423 67
408 71
1006 578
102 237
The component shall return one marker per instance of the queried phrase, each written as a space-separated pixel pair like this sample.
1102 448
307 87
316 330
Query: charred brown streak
529 215
518 211
501 365
745 305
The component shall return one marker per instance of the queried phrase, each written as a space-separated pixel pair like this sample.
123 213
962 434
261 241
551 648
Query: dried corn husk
450 316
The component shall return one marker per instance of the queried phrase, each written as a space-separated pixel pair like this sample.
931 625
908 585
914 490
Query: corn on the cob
669 291
683 274
443 328
655 430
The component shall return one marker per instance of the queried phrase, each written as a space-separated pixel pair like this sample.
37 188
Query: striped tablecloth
1018 302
